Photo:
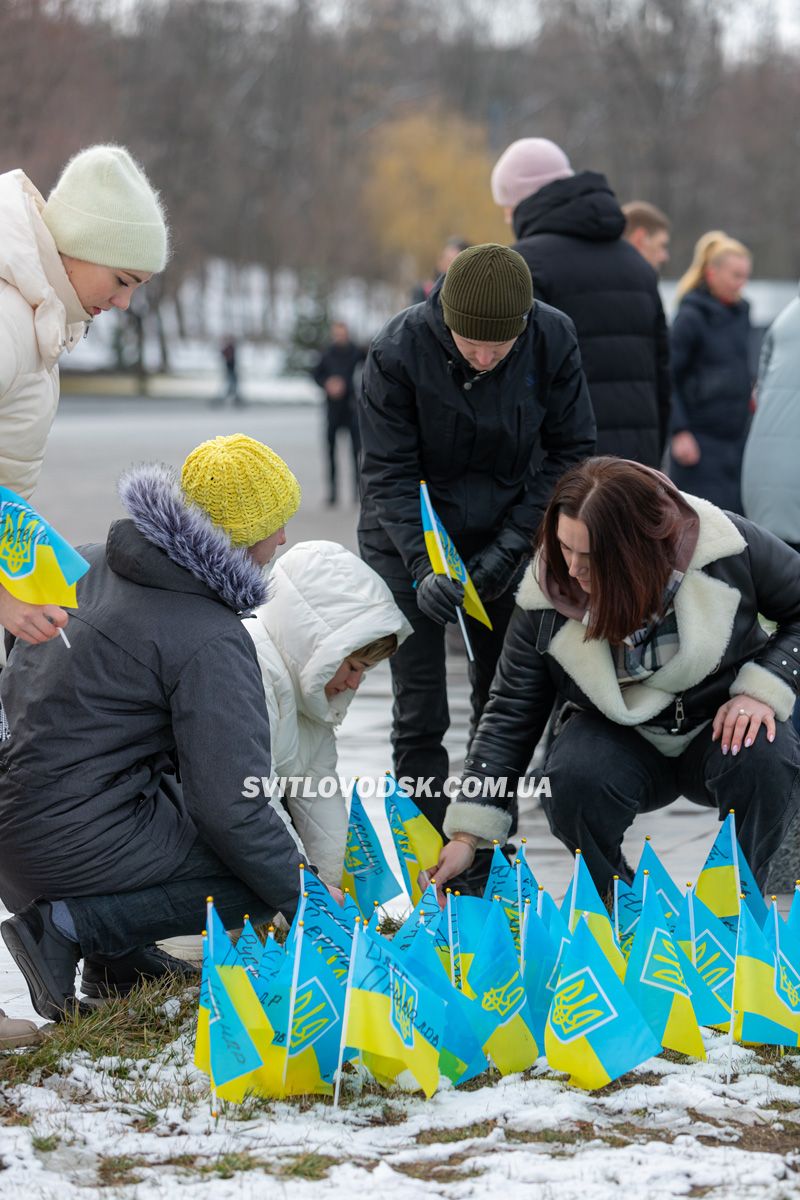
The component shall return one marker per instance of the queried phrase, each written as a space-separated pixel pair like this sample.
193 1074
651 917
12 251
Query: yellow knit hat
245 487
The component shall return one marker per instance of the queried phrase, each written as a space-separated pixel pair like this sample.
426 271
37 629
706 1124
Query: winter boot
46 958
104 977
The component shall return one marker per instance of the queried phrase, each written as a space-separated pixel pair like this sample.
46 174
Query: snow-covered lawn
86 1127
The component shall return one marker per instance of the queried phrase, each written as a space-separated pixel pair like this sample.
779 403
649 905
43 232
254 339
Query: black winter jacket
490 446
162 675
737 571
570 235
711 370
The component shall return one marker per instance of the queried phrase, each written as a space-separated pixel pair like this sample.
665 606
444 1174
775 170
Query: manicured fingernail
734 748
771 737
748 742
724 747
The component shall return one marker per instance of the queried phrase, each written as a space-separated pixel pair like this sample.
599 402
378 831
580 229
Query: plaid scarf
653 644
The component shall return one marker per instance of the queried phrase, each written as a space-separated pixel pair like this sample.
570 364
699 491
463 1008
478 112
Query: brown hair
639 214
632 533
377 651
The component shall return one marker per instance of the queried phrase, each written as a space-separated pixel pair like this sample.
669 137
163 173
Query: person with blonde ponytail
711 372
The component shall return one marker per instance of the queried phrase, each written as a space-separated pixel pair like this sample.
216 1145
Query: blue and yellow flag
461 1055
766 993
489 973
327 927
506 883
454 564
657 984
791 928
583 899
367 874
711 949
232 1052
36 564
249 947
725 876
393 1015
626 915
417 842
425 915
668 892
540 971
594 1030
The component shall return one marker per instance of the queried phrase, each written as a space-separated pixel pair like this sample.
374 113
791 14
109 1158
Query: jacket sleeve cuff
763 685
484 821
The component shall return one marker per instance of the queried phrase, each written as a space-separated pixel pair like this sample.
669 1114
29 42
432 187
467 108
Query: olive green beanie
487 294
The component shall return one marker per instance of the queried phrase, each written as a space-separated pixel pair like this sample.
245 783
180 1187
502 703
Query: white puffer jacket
40 317
324 604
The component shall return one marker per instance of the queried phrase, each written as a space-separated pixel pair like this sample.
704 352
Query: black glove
492 569
438 598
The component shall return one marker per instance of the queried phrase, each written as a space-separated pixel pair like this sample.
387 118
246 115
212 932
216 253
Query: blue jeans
116 923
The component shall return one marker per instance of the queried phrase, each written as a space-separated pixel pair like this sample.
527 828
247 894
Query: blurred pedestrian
228 351
569 230
711 372
480 392
100 235
647 229
335 373
452 247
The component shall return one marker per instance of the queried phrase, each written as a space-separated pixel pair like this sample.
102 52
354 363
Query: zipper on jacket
679 715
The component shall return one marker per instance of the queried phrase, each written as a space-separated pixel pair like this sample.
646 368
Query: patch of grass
117 1170
145 1121
786 1069
45 1143
783 1105
388 1115
452 1171
460 1133
252 1106
781 1138
649 1078
582 1131
10 1114
311 1166
229 1165
487 1079
131 1027
184 1162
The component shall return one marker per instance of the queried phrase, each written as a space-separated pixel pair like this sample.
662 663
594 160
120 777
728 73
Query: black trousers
603 775
341 418
421 715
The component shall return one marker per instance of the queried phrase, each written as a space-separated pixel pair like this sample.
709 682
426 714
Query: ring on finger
744 713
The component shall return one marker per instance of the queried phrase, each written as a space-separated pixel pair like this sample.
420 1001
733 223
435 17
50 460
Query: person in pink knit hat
569 228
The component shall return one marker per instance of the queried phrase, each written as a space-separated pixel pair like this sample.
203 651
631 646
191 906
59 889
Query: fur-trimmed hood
160 512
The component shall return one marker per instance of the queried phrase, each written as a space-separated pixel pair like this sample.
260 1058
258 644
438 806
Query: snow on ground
676 1130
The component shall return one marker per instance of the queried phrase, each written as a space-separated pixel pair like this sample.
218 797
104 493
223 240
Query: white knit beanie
526 166
103 210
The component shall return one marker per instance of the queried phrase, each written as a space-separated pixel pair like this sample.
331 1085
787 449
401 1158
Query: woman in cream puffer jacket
325 604
100 235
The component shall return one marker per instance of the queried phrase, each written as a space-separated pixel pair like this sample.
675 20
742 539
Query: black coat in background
712 383
570 235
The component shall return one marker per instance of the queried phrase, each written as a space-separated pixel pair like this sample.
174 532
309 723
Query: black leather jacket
764 575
